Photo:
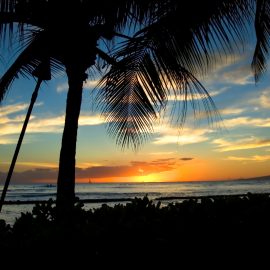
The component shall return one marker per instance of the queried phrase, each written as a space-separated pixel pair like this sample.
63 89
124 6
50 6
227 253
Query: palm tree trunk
66 177
18 146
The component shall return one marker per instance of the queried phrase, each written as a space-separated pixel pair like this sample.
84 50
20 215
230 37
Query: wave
131 190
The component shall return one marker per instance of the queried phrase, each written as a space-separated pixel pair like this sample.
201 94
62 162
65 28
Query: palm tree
42 73
156 52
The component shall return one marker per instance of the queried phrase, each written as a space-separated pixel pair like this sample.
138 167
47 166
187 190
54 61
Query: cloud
10 126
62 87
89 84
30 176
92 120
185 136
183 139
224 62
217 92
161 153
155 166
221 113
45 125
50 165
85 165
227 60
253 158
14 108
243 144
186 158
7 140
240 76
260 100
196 96
135 168
230 111
247 121
264 99
11 122
10 109
231 69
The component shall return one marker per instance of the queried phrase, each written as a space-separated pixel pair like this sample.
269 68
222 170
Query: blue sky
236 147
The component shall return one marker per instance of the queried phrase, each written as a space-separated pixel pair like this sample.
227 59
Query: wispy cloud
89 84
264 99
184 139
15 108
185 136
241 76
225 62
90 120
243 144
247 121
45 125
51 165
194 96
10 109
11 123
162 153
260 100
49 125
34 164
231 69
231 111
252 158
7 140
63 87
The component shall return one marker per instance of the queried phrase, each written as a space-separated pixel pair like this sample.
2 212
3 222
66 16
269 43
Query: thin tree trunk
18 146
67 163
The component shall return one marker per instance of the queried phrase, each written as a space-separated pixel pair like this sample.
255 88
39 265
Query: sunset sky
237 147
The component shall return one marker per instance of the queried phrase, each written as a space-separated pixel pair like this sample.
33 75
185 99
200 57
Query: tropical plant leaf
128 102
137 88
27 61
262 28
162 60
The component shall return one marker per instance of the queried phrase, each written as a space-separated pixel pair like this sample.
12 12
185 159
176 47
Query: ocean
111 192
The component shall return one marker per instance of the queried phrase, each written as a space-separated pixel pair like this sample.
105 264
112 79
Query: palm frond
162 60
28 60
216 28
136 90
188 89
262 28
129 100
23 65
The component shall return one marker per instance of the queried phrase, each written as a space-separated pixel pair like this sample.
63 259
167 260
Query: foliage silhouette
143 231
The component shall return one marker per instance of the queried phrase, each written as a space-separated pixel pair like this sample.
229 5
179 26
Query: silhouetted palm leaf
161 60
137 88
27 61
262 27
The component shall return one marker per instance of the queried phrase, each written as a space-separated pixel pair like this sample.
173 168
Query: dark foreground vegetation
226 227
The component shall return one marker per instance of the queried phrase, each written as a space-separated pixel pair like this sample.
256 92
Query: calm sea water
127 191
